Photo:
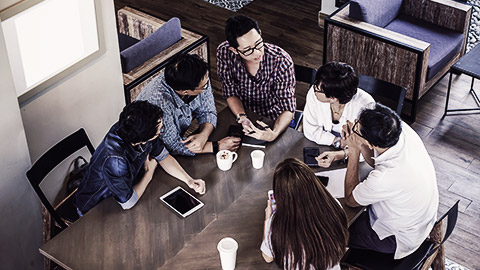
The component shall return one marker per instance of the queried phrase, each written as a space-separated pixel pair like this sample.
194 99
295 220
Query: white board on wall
48 38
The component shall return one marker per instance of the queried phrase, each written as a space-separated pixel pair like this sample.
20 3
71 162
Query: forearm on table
351 179
282 122
235 105
173 168
142 185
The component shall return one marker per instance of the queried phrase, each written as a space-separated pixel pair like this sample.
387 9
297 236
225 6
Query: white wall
20 225
91 97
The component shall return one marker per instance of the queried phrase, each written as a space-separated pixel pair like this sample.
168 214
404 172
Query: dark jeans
362 236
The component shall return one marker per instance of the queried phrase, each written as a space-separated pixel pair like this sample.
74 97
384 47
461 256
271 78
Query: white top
402 191
267 249
317 116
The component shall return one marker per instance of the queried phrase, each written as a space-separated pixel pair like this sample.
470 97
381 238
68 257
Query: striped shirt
178 115
270 92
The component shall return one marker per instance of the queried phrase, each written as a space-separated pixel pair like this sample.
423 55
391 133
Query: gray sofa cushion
164 37
376 12
444 43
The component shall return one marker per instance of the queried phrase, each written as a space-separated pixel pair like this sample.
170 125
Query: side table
468 64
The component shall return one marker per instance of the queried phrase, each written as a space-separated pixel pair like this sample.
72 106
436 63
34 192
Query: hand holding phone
272 201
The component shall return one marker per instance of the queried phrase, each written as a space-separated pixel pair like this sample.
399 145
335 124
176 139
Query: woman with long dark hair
309 228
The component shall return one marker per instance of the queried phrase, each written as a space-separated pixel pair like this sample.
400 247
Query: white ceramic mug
225 159
258 157
227 247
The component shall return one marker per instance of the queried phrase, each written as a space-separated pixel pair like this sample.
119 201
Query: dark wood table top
150 236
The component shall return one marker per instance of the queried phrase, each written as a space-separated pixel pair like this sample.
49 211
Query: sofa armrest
446 13
377 52
137 24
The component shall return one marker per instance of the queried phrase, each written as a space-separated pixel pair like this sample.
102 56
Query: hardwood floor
453 142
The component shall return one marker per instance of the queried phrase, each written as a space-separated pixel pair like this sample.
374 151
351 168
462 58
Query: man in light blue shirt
185 93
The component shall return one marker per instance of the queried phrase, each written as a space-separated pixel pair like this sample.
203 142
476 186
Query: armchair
410 43
137 27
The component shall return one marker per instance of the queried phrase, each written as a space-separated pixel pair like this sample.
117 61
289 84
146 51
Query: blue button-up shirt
114 169
178 115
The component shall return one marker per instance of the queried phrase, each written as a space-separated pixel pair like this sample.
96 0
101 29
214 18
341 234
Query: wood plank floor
453 142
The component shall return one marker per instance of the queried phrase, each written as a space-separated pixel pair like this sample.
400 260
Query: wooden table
150 236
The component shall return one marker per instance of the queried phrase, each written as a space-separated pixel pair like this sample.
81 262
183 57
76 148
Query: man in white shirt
401 191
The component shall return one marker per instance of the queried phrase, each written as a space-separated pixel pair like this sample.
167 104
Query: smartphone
235 131
272 200
323 179
309 154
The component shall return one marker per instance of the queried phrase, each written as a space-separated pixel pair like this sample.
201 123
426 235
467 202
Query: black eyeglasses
356 132
317 89
249 52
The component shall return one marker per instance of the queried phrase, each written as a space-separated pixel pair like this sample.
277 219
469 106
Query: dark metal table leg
448 94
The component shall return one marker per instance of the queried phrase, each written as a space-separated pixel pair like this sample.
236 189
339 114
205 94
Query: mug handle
235 156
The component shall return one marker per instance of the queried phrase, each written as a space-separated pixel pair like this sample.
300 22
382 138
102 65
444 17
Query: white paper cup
225 159
257 158
227 247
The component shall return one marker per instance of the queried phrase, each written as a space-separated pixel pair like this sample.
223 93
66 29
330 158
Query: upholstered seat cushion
444 43
376 12
164 37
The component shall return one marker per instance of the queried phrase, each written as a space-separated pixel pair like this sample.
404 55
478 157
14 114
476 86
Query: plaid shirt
178 115
270 92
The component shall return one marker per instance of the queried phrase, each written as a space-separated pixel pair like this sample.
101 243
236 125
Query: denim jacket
113 170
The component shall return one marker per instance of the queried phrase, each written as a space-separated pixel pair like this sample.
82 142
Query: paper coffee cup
227 247
257 158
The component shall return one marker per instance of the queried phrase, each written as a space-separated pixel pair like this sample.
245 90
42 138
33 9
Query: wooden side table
468 64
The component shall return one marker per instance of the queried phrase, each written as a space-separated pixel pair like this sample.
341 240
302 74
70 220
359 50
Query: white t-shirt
402 191
317 116
266 246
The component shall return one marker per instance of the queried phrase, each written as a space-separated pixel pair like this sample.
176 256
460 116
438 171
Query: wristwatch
240 115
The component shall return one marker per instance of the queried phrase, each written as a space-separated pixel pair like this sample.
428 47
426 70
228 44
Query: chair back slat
305 74
51 159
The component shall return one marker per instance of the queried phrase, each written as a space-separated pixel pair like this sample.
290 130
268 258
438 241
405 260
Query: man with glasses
123 164
184 93
401 191
257 76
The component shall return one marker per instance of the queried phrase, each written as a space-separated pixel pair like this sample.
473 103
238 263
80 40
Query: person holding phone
257 76
309 227
333 99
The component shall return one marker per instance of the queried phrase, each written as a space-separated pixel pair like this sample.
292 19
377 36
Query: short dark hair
138 122
380 126
339 80
185 72
238 26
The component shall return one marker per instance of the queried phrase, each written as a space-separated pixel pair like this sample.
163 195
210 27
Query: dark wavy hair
338 80
185 72
138 122
309 227
238 26
380 126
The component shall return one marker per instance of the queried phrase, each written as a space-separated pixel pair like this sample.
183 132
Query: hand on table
326 158
245 122
266 134
229 143
198 185
195 143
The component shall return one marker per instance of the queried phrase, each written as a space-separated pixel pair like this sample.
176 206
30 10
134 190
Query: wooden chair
431 251
65 212
388 94
139 25
392 56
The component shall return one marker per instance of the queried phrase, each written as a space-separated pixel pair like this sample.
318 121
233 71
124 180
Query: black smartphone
309 155
323 179
235 131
